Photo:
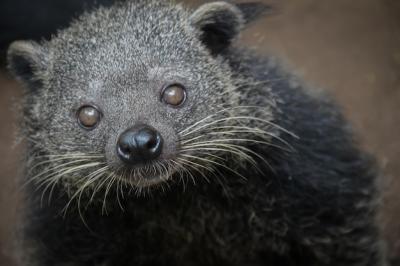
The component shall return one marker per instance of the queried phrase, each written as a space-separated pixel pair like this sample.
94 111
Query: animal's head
138 92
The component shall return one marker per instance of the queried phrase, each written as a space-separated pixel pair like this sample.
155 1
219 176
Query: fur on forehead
131 29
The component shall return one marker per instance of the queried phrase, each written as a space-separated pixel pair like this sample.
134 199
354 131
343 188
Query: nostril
126 142
147 139
124 147
151 144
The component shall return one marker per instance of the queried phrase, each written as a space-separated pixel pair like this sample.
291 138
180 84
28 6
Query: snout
139 145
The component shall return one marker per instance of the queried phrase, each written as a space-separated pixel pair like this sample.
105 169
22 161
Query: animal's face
127 93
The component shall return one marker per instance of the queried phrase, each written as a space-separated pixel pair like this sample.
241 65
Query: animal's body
153 141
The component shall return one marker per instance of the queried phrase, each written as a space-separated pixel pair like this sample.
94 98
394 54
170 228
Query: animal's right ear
220 22
25 59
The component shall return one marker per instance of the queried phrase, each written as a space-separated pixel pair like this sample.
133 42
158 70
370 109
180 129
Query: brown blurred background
351 48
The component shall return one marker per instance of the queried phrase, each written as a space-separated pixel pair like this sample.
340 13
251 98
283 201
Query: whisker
209 169
218 113
119 183
100 185
240 118
238 129
216 163
230 148
91 179
110 183
179 165
61 166
63 172
228 140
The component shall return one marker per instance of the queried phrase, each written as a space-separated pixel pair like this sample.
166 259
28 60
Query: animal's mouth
147 175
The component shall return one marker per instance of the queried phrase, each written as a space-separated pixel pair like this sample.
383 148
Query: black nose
139 144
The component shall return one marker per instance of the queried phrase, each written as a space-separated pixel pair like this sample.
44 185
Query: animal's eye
88 117
174 95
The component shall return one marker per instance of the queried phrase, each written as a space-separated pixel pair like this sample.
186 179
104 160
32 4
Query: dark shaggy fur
277 179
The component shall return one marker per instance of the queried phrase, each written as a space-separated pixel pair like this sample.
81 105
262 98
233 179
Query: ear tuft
24 59
219 23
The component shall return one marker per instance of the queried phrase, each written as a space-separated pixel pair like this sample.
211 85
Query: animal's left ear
220 22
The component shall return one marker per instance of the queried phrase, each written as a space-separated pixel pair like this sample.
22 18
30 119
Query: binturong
153 139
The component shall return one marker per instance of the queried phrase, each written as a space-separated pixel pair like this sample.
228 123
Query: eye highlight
174 95
88 117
